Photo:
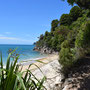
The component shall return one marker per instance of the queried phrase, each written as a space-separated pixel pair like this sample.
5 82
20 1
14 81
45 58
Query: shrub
83 37
65 44
66 59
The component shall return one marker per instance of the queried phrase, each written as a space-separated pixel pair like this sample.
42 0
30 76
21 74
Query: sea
25 51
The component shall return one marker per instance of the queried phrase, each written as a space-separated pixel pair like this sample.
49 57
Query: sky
22 21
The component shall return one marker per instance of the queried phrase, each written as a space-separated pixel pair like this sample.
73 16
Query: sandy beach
40 62
50 69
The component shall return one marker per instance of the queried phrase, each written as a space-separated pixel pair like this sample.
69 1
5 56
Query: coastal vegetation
70 35
13 78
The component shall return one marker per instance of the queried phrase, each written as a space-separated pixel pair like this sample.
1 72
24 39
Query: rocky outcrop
44 50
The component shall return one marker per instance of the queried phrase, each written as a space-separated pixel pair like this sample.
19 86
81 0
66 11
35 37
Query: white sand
50 69
45 60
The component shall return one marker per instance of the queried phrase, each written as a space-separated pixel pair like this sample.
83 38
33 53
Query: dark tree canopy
54 24
41 36
65 19
46 33
81 3
75 12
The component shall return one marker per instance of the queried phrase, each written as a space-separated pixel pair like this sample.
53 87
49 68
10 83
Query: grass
12 78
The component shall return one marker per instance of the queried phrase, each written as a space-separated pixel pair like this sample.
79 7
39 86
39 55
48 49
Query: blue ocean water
26 52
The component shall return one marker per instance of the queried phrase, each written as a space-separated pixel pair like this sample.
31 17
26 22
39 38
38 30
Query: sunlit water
26 52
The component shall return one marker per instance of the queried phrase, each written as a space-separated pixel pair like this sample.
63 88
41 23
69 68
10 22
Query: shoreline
39 62
50 68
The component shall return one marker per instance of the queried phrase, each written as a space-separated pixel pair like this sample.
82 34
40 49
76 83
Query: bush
66 59
65 44
83 37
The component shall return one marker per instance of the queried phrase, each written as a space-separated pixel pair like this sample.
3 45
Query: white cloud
15 39
8 38
7 32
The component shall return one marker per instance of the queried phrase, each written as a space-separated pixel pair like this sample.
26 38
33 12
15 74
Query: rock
58 80
58 86
69 80
62 78
44 50
53 77
65 88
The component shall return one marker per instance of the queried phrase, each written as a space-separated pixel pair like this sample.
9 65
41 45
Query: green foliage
41 37
82 3
66 59
75 12
54 24
65 44
12 77
65 19
76 45
61 30
88 14
46 33
83 38
54 42
67 30
48 41
70 36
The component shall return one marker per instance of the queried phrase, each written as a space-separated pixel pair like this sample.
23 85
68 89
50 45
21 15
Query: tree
46 33
83 37
81 3
41 37
75 12
54 24
55 42
65 19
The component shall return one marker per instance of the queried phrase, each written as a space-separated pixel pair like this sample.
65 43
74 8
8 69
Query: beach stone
66 87
50 70
58 86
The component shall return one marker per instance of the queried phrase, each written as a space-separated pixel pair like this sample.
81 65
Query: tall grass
12 78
